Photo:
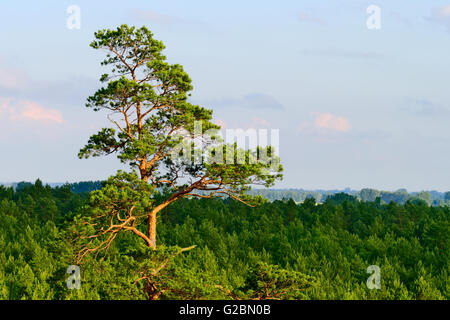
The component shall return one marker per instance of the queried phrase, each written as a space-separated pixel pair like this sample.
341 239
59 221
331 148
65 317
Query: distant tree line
400 196
433 198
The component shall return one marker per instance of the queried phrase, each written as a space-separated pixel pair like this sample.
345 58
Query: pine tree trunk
152 215
152 229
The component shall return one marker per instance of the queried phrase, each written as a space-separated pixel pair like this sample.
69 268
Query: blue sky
355 107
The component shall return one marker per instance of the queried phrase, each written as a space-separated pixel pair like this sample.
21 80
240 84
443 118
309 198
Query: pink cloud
220 123
258 122
330 121
29 110
34 111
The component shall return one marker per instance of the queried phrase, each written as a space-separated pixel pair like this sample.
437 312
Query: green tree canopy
147 103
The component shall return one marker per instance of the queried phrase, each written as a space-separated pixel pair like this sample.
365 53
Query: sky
355 106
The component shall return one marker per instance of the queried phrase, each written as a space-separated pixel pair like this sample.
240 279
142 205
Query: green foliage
155 132
306 251
149 94
266 281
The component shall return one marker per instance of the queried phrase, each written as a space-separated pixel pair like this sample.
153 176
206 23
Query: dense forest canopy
322 249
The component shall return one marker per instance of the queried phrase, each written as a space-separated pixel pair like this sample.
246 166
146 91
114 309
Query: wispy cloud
71 91
310 18
425 107
442 12
347 54
401 19
256 123
157 17
250 101
11 78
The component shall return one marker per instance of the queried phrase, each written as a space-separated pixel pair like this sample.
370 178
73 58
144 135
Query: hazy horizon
52 184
